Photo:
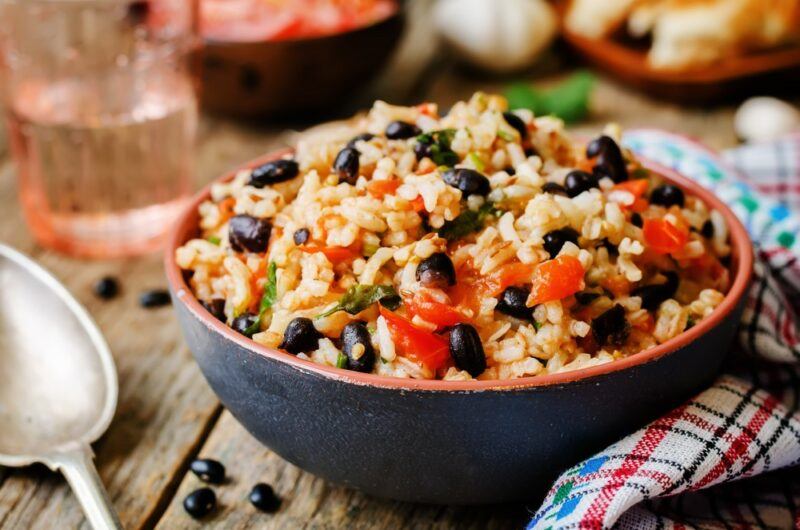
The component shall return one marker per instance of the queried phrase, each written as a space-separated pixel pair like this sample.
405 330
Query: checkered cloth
684 470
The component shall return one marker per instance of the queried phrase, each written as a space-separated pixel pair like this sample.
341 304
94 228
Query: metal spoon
58 384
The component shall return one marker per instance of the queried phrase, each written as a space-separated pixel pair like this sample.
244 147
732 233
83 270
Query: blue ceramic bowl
451 442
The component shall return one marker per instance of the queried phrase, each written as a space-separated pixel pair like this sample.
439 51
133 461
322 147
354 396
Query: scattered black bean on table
263 497
208 470
106 287
154 298
200 502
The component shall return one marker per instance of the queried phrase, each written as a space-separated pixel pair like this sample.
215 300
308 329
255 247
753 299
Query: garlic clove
500 35
762 119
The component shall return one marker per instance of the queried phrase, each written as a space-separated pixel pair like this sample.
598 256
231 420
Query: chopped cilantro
476 161
439 150
341 361
214 240
267 299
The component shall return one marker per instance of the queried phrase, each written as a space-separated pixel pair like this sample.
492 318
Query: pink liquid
100 182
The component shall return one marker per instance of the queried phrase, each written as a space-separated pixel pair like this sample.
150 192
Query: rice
494 227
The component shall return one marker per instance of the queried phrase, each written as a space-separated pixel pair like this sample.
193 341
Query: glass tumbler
101 109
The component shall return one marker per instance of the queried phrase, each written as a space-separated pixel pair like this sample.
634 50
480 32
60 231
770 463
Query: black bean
154 298
707 230
301 236
510 170
554 188
106 287
274 172
422 150
469 181
263 497
346 165
577 181
667 195
529 151
517 123
208 470
353 334
400 130
300 336
611 327
215 306
554 241
200 503
653 295
248 233
636 219
513 303
586 297
436 271
364 137
244 324
466 349
610 247
610 161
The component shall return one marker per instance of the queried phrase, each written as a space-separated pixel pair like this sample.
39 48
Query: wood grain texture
307 501
167 414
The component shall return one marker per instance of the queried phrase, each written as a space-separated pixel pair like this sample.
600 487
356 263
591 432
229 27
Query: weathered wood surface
167 414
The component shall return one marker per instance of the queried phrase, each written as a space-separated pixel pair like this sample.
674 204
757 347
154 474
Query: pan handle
78 468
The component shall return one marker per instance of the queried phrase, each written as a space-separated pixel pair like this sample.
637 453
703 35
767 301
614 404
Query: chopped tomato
617 284
428 109
510 274
556 279
226 208
334 254
636 187
664 237
417 344
430 310
379 188
418 204
647 324
639 205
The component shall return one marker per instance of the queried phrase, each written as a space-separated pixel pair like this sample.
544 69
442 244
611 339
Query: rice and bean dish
484 243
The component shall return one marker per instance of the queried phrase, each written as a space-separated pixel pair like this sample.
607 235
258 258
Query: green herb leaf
341 361
467 222
214 240
537 325
270 288
267 299
359 297
569 100
507 136
476 161
439 142
640 173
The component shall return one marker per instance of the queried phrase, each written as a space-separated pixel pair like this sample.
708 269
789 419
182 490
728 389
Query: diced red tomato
510 274
636 187
226 208
430 310
417 344
664 237
334 254
379 188
647 324
418 204
556 279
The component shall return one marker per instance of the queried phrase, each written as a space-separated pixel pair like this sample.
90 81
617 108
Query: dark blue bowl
451 442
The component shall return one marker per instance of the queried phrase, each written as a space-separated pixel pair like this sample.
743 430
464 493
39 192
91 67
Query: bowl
295 76
451 442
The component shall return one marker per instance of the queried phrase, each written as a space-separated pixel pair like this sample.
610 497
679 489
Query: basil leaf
359 297
467 222
439 142
569 100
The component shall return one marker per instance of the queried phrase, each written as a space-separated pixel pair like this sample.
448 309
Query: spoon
58 384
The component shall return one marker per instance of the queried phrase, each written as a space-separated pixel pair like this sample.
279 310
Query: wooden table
167 415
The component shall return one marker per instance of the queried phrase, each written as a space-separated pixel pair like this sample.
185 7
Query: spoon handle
78 468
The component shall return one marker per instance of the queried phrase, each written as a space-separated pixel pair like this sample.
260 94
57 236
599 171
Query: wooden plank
165 407
310 502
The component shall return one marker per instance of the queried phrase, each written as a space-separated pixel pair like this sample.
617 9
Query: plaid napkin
684 470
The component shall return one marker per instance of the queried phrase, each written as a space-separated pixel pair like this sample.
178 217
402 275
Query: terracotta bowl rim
398 13
741 247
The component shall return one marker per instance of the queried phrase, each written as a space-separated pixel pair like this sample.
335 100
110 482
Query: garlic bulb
497 35
763 119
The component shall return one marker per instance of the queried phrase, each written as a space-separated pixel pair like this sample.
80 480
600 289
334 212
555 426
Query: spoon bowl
58 383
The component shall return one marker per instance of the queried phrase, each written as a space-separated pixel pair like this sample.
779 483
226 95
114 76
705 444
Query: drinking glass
101 109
